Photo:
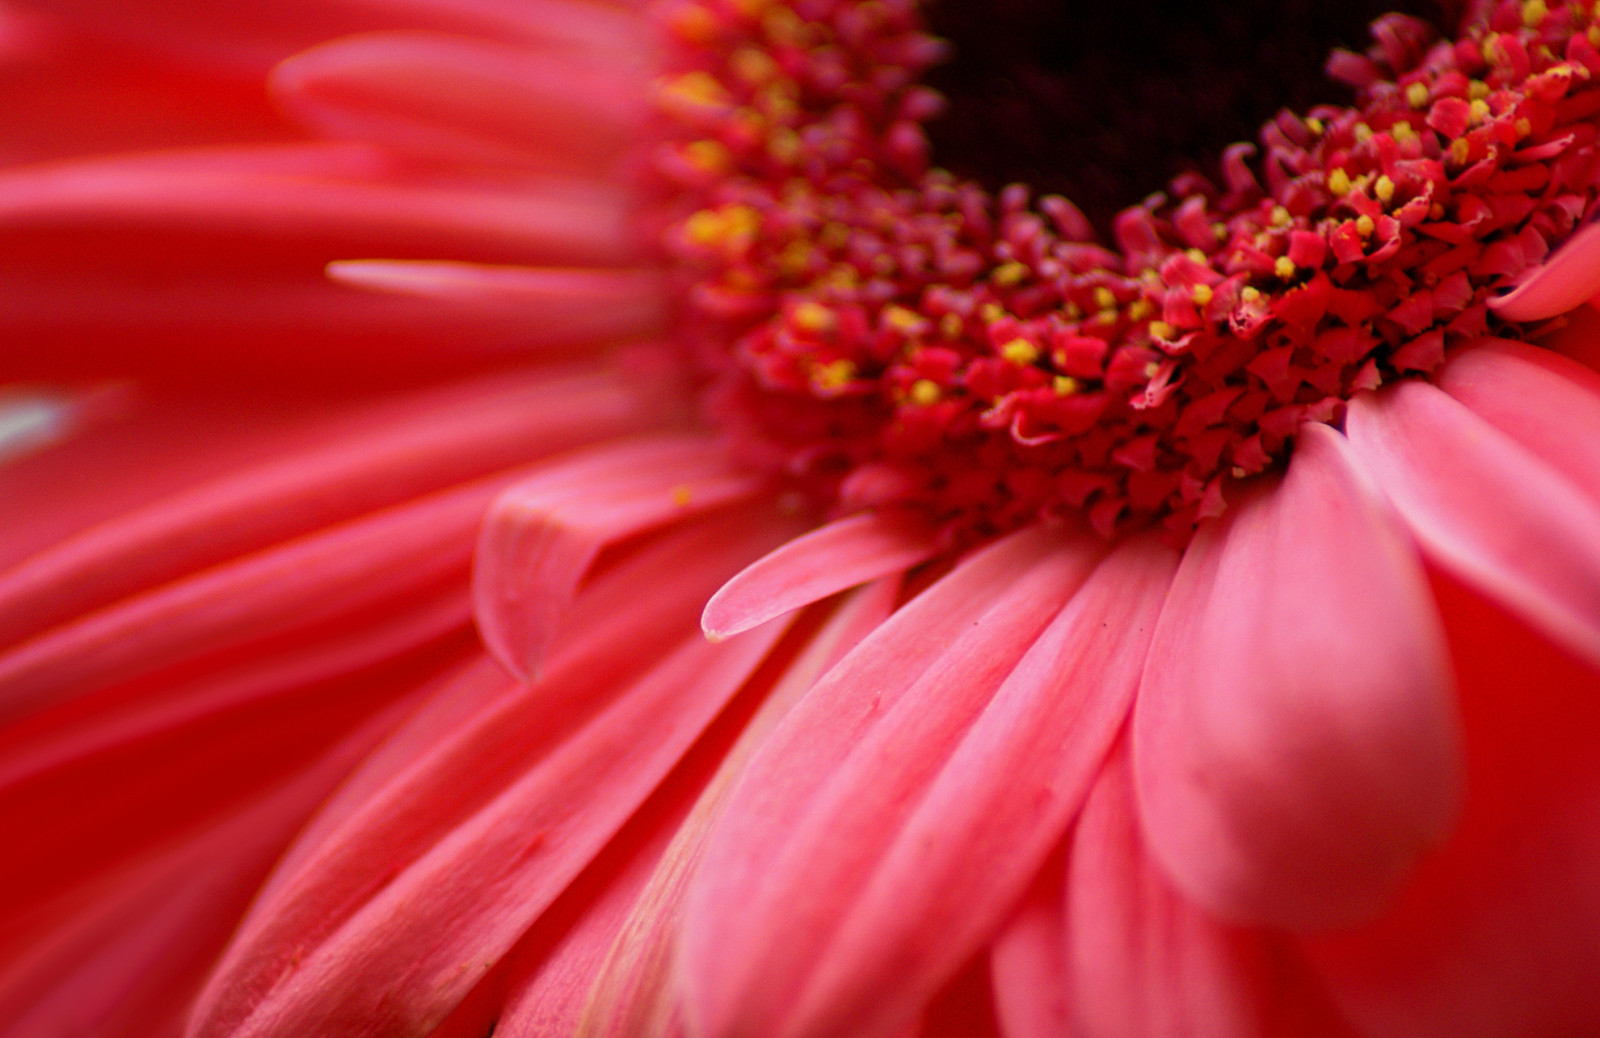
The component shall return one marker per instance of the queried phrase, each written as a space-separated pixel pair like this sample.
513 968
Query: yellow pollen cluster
1020 351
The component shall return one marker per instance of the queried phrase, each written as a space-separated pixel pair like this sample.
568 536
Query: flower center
883 333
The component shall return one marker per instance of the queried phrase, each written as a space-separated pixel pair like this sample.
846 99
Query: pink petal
1548 403
388 454
543 534
461 100
1566 280
634 992
1029 962
1487 508
1294 739
808 569
1142 961
1497 935
826 797
456 853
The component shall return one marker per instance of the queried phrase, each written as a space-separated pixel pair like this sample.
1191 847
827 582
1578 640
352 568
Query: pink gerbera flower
569 520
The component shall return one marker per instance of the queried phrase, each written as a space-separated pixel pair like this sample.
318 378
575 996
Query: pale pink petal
1294 739
634 989
956 850
807 569
543 534
1142 961
390 557
1029 961
1486 507
1497 935
1548 403
1566 280
793 854
31 420
509 805
559 307
469 101
390 453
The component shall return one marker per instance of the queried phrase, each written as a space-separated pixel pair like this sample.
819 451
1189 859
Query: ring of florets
882 334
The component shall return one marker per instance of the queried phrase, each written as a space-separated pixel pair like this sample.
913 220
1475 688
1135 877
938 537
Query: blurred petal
1294 740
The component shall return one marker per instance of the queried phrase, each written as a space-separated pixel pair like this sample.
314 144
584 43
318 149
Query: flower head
1177 621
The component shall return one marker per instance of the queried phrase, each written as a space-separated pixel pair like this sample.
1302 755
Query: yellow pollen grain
1073 311
1283 267
1140 309
1339 182
1280 216
1201 294
682 495
1436 211
901 320
1477 90
1020 351
1534 12
1364 226
842 275
1008 274
1220 230
1064 385
1402 132
796 258
1104 298
1523 127
1250 294
708 156
1417 95
1594 35
753 66
1315 125
991 312
1363 133
1196 255
925 392
1460 151
1383 190
695 90
1478 110
1151 369
833 375
1161 330
950 326
813 317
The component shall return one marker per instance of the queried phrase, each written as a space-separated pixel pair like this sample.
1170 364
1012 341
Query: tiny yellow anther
708 156
1315 125
1064 385
1151 369
1250 294
950 326
991 312
1534 12
1020 351
1009 274
1161 330
1280 216
1339 182
1383 189
1283 267
1201 294
1363 133
812 316
1139 309
1104 298
1523 127
901 319
1417 95
1460 151
1477 90
1365 226
925 392
833 375
1402 132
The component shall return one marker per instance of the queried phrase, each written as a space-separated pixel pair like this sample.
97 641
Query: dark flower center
1106 102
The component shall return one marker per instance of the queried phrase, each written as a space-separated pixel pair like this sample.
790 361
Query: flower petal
1565 281
810 568
1294 740
771 937
543 534
1487 508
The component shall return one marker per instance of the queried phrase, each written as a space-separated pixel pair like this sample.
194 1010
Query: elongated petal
463 100
542 535
1294 739
1029 961
1565 281
483 802
1546 402
1498 934
807 569
1142 961
1487 508
777 887
962 848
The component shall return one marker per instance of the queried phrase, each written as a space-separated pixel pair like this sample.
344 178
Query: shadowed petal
1486 507
1565 281
1294 741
